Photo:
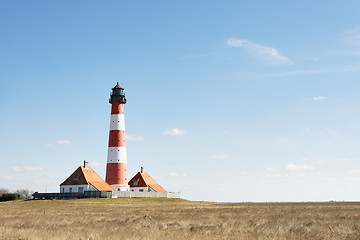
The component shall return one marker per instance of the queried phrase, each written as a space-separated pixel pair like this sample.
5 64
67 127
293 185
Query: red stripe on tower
116 168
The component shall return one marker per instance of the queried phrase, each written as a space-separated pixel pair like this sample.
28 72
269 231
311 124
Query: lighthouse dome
117 94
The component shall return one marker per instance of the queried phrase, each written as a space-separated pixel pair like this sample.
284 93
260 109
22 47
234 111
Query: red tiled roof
144 180
117 85
85 176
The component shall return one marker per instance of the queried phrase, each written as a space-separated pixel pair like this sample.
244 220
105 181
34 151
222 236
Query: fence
130 194
106 194
86 194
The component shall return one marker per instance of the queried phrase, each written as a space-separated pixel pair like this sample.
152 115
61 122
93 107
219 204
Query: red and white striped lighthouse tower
116 168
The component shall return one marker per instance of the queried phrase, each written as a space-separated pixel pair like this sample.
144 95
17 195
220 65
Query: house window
132 190
135 183
75 179
70 189
81 190
141 190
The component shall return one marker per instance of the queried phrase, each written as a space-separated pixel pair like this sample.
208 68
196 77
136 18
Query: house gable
145 180
76 178
87 176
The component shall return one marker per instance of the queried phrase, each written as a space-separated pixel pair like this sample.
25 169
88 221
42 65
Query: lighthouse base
120 187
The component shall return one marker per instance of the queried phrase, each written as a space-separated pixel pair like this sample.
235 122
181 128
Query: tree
23 193
4 191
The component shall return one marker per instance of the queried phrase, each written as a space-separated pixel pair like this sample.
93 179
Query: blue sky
227 101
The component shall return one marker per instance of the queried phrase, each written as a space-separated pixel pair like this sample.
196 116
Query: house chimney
86 164
142 169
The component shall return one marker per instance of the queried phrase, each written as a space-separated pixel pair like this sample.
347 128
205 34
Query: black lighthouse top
117 94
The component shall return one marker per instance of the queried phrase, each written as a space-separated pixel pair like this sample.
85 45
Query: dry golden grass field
176 219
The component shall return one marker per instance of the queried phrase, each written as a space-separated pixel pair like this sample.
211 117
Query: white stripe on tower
116 168
117 122
116 155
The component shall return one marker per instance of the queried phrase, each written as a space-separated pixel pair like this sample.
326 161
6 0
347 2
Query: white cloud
293 167
270 169
135 138
354 172
94 164
174 132
6 178
321 162
351 53
299 175
49 145
345 159
267 53
221 156
27 169
272 175
352 179
173 174
321 98
328 180
317 71
284 142
353 37
64 142
59 142
332 133
306 130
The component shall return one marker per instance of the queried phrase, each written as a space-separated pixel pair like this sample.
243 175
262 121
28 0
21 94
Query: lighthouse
116 168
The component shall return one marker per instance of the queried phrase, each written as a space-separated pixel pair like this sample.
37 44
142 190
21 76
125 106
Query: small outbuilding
84 179
143 182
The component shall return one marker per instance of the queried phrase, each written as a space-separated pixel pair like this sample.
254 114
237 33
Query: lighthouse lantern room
116 168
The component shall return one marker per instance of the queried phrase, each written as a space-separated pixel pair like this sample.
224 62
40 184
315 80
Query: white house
84 179
143 182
